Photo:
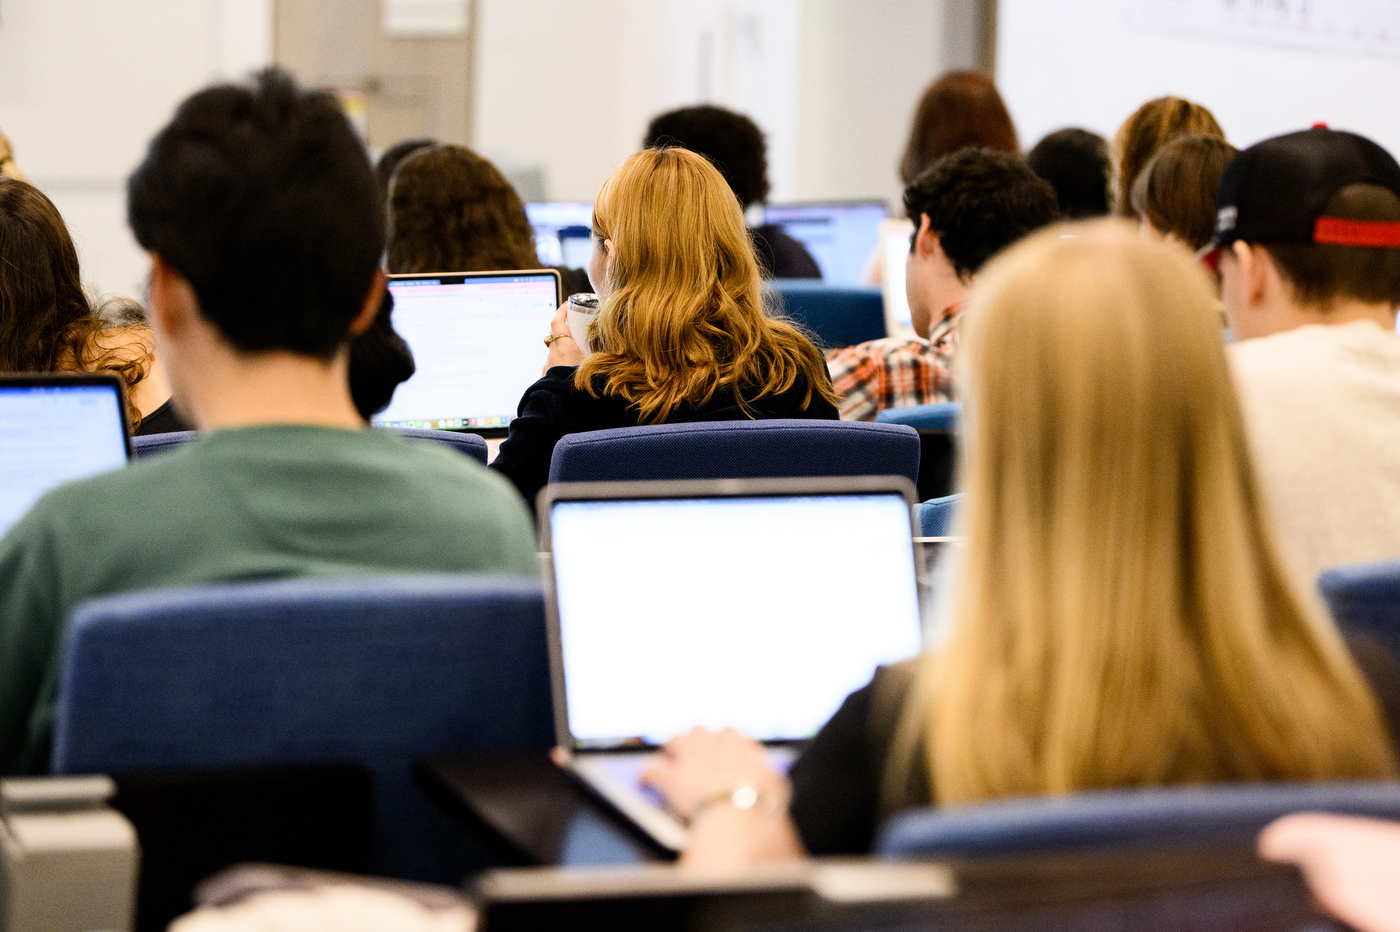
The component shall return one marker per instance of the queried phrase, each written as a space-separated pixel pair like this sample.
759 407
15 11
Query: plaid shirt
896 373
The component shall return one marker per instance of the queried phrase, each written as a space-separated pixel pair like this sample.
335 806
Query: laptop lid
894 253
57 428
757 604
476 342
841 235
562 230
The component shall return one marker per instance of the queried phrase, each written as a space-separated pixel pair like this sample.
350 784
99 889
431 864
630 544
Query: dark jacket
781 256
553 407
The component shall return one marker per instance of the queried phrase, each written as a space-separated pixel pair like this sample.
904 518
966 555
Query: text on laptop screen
476 345
758 613
54 434
561 232
841 237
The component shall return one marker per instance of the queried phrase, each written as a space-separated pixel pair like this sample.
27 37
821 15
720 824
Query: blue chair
935 516
943 416
737 450
836 316
1222 814
375 672
1365 597
467 444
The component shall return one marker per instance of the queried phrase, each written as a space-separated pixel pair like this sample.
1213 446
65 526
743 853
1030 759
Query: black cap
1276 191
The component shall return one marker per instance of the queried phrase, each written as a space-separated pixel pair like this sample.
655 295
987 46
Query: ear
370 309
926 242
1255 266
171 305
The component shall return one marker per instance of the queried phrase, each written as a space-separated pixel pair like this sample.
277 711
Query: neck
1338 311
275 387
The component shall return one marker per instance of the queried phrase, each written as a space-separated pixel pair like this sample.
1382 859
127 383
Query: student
1308 244
1078 166
1120 617
967 207
960 109
1149 128
1174 195
46 321
681 334
261 271
735 145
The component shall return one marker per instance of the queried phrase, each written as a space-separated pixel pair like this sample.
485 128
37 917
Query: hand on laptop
563 351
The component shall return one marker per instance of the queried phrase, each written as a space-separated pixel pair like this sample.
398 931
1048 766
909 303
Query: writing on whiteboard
1348 27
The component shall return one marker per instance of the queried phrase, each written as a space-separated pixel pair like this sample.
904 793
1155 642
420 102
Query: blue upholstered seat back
942 416
737 450
377 672
935 516
835 315
1365 598
469 444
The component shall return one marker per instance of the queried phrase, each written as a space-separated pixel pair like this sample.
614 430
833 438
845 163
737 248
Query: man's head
262 199
731 141
967 207
1308 230
1077 164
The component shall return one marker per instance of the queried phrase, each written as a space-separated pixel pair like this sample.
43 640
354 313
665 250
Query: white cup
582 307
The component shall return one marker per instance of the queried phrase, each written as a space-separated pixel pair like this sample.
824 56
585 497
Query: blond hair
1150 127
685 315
1122 617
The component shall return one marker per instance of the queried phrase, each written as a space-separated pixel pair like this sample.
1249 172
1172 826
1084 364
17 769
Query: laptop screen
476 342
842 237
757 613
895 250
55 433
561 232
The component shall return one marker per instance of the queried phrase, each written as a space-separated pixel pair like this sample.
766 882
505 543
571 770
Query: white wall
1093 62
572 85
85 85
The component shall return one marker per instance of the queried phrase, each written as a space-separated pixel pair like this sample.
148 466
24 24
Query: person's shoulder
1306 355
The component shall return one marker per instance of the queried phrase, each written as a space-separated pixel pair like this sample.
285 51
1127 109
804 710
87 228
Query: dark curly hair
451 210
979 201
731 141
263 197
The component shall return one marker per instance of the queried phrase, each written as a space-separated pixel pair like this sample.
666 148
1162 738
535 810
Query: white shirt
1321 406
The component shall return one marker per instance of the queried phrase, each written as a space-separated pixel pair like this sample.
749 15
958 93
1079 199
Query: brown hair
685 314
1317 274
960 109
1143 133
450 210
46 321
1123 617
1175 192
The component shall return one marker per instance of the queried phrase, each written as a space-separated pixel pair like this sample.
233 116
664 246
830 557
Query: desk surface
541 811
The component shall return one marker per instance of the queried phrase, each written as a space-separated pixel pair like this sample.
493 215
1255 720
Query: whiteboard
1263 67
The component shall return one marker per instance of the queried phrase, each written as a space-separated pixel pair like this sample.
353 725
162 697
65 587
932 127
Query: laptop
562 230
841 235
894 253
757 604
477 344
57 428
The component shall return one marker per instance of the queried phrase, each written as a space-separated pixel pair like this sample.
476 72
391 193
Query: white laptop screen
53 434
758 613
476 345
896 252
841 237
561 232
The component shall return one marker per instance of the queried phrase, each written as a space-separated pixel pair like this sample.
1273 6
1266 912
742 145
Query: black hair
731 141
1078 166
979 201
1318 274
389 162
263 198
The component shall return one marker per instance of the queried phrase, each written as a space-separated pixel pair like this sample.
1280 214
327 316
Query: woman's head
960 109
1147 130
682 311
1122 618
1175 192
450 210
46 322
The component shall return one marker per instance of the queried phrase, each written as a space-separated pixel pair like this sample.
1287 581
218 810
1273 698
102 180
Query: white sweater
1322 409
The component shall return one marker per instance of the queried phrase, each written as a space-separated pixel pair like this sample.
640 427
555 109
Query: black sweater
553 407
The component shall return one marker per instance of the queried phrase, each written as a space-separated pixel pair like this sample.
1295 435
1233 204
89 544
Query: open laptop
757 604
894 253
561 230
57 428
476 342
840 235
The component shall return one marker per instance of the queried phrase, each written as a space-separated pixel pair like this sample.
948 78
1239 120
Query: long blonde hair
1150 127
685 315
1122 617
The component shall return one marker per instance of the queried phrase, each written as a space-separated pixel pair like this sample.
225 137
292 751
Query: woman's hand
696 771
563 351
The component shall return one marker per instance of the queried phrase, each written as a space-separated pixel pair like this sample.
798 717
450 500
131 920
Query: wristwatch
743 797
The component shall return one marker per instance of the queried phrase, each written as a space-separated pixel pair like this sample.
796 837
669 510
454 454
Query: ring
554 336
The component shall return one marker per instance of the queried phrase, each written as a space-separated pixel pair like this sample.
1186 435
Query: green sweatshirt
253 503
